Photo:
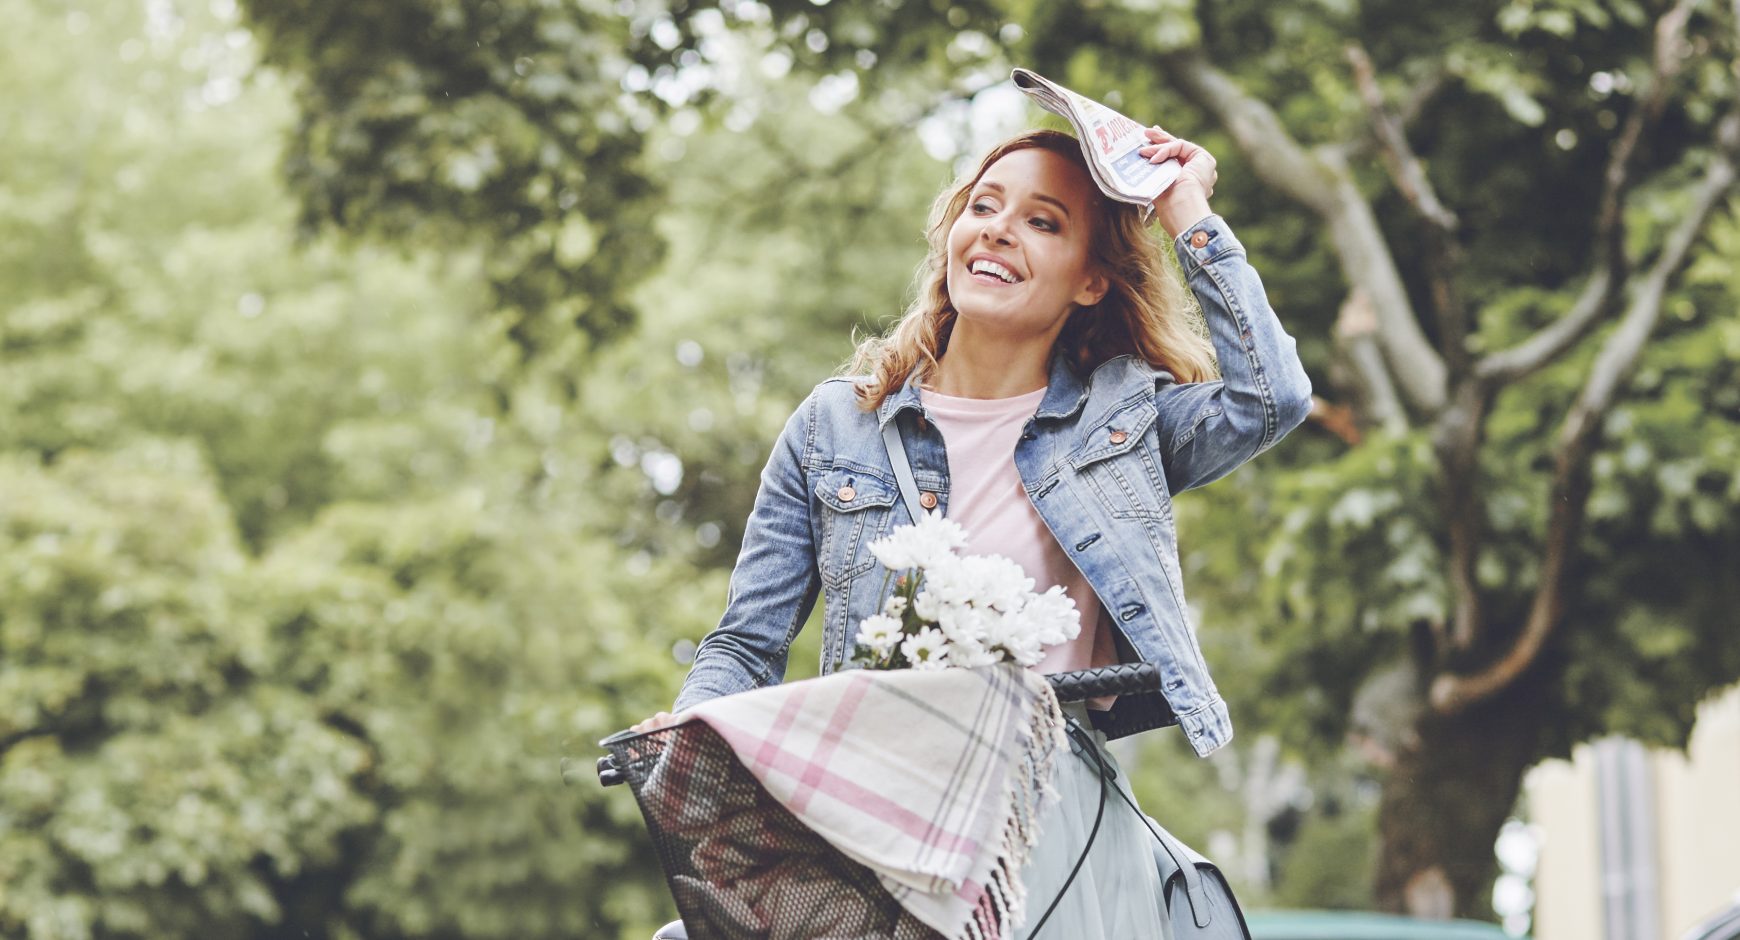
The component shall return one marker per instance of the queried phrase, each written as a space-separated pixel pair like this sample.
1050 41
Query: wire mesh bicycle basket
739 865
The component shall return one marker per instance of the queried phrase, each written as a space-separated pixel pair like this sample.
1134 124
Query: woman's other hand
660 720
1185 202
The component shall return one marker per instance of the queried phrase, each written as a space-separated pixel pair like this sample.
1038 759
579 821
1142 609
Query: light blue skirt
1117 894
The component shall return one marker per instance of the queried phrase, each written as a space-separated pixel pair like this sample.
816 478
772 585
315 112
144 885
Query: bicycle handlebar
1078 686
1122 679
609 775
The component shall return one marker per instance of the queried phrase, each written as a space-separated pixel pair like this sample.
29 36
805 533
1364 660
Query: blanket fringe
1027 793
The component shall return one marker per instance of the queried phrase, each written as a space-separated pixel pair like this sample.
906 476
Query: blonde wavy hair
1148 312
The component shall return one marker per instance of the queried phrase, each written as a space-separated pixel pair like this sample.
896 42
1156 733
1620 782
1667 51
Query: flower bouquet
954 610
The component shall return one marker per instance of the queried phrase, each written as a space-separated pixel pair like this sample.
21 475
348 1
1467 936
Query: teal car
1357 925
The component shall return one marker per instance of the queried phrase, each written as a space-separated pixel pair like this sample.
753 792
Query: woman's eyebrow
998 187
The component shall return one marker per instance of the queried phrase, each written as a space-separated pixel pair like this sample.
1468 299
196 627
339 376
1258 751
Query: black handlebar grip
608 774
1122 679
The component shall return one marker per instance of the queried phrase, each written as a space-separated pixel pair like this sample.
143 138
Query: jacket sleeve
1208 428
774 584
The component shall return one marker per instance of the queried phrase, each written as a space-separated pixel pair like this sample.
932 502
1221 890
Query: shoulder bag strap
902 469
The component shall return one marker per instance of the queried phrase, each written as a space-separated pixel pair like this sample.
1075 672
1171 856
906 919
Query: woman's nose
997 229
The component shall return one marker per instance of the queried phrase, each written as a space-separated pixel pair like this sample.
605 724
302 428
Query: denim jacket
1100 460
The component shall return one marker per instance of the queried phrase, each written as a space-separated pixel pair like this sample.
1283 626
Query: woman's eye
1040 222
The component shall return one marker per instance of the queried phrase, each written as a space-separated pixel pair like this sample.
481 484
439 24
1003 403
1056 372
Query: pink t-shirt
987 499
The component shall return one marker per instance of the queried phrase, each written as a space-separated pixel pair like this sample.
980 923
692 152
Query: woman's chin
1001 321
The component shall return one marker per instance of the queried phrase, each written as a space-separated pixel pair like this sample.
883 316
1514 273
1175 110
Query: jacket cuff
1208 728
1203 242
692 695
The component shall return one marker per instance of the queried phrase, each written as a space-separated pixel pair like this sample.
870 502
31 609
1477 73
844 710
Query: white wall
1693 809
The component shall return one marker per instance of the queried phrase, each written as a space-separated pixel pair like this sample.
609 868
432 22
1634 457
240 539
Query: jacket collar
1065 393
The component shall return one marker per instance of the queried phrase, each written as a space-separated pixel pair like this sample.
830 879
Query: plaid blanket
933 780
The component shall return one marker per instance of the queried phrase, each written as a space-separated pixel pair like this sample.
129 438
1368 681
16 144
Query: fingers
654 723
1182 150
1171 149
1194 162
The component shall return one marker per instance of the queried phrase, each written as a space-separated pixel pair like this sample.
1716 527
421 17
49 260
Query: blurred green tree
288 647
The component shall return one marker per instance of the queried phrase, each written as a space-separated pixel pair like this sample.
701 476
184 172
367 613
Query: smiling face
1019 258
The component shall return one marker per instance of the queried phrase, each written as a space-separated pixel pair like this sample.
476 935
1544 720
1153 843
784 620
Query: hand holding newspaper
1109 141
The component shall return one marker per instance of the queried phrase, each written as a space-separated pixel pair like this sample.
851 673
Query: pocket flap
1120 432
846 489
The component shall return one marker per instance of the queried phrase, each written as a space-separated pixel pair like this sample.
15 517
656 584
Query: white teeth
983 266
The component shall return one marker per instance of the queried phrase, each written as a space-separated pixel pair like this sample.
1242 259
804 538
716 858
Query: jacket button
1199 239
846 494
927 500
1119 437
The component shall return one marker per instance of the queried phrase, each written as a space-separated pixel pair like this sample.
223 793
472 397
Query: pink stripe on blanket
788 712
856 688
970 889
772 758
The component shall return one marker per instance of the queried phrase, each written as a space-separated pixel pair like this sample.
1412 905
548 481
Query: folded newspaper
1109 141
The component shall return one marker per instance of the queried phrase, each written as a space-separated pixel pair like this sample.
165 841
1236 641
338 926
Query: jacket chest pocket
1119 462
855 510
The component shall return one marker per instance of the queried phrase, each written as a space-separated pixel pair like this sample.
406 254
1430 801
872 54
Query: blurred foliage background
384 385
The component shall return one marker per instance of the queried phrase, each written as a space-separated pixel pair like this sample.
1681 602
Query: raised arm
774 583
1209 428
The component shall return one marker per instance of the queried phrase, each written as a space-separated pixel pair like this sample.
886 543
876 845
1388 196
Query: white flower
930 541
995 581
926 649
879 633
964 625
947 581
1025 649
966 629
974 611
1011 634
941 535
970 659
928 605
1051 616
895 551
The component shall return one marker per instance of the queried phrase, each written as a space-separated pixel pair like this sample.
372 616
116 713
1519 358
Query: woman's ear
1097 287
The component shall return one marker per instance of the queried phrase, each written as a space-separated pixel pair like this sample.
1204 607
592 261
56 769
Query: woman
1051 345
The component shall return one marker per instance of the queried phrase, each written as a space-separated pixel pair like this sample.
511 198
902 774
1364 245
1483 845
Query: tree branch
1421 95
1407 112
1456 440
1599 298
1356 337
1367 263
1572 480
1399 158
1410 178
1277 158
1320 179
1336 419
1601 295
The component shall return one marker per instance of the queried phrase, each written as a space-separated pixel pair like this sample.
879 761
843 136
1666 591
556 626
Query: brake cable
1076 731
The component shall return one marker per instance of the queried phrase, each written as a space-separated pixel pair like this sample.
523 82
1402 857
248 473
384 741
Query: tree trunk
1453 784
